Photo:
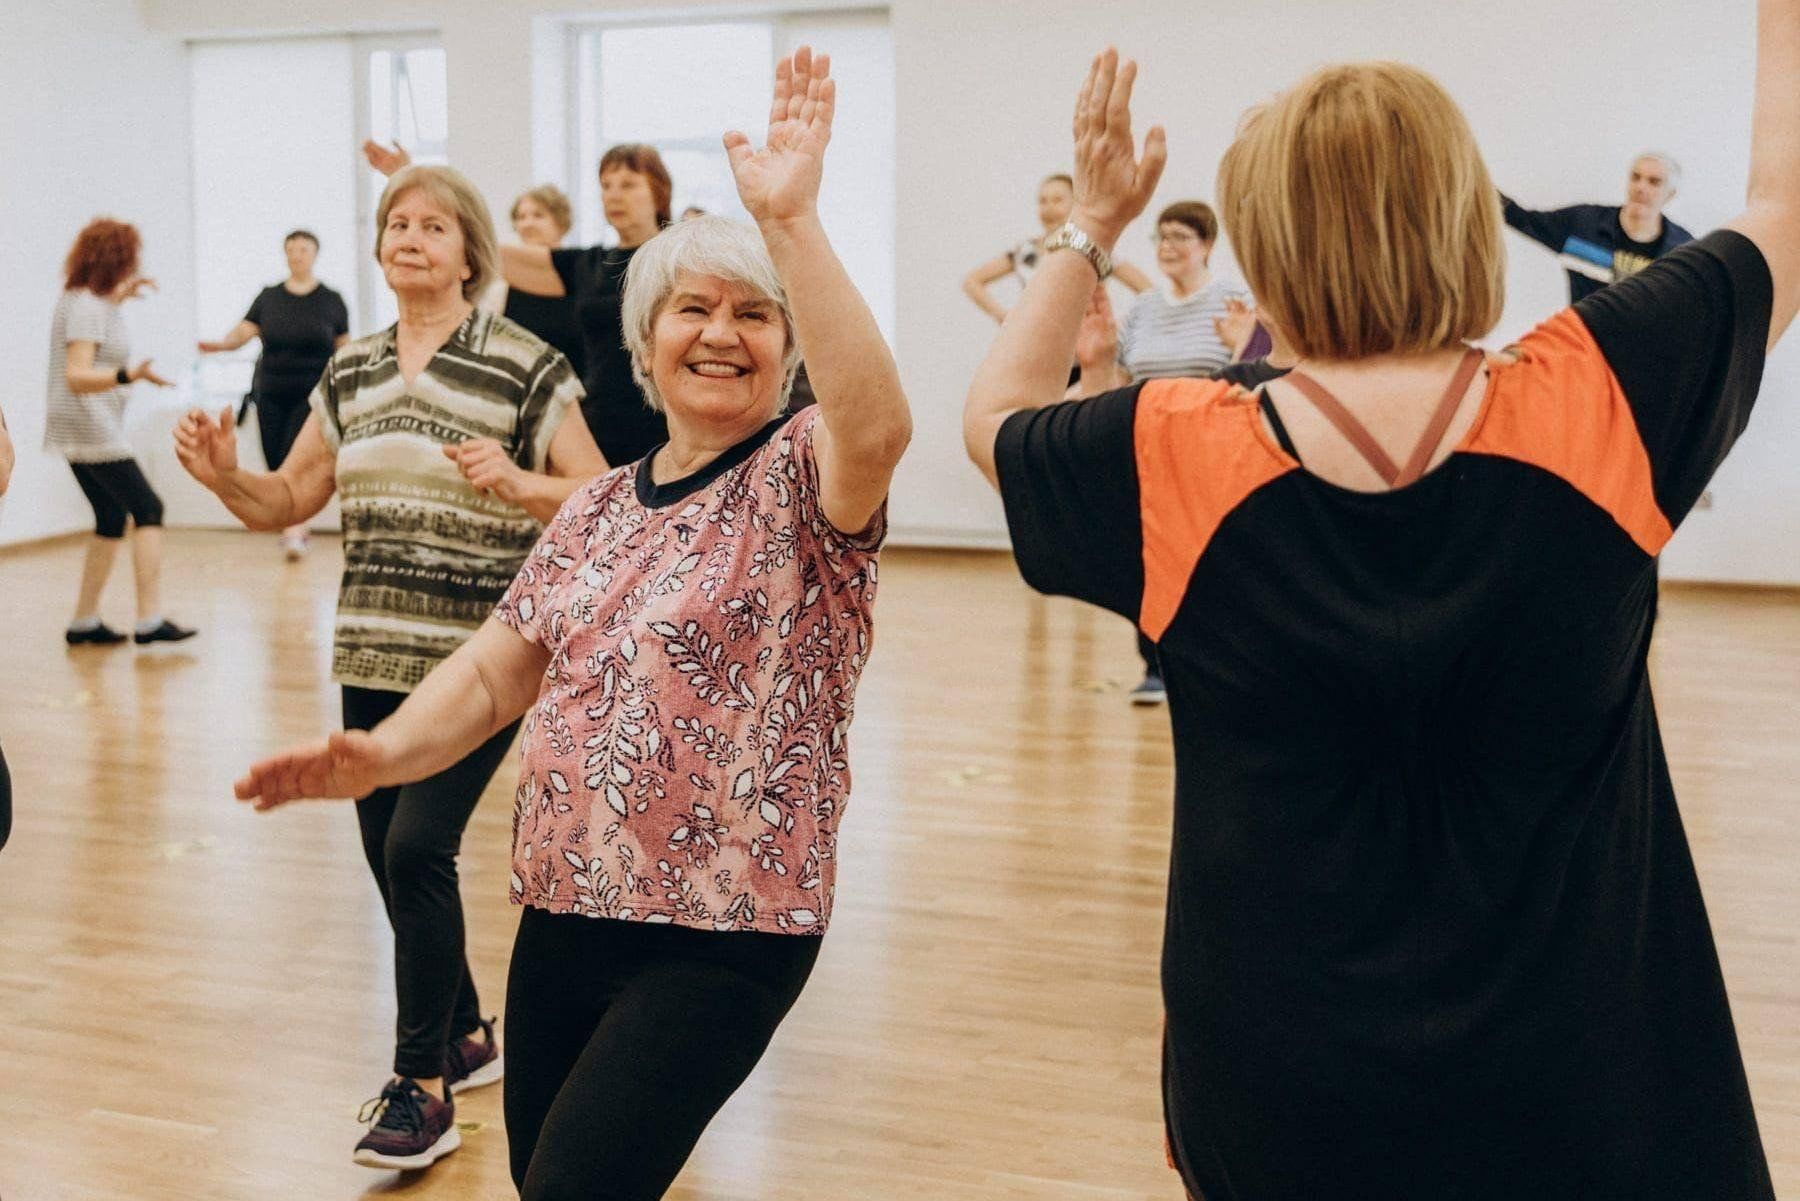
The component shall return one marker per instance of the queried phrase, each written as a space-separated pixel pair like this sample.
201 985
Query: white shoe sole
447 1142
486 1074
1145 700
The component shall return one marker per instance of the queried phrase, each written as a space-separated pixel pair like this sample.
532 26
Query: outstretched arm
1027 366
1550 227
465 700
240 333
1771 217
262 500
864 421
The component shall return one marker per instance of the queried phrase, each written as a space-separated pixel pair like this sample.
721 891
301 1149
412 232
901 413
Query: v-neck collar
471 336
653 495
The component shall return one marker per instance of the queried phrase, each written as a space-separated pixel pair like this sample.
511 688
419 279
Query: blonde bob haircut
1363 216
703 245
551 199
451 189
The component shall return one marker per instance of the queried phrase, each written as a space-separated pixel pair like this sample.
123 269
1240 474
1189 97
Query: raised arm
465 700
1027 365
864 421
240 333
262 500
82 376
1771 217
529 269
1550 227
975 285
6 455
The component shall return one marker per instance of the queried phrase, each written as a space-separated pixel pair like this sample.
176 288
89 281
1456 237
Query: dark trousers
1147 652
5 801
411 836
115 490
279 420
624 1039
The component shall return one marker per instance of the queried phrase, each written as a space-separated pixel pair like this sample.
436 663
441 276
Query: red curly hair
104 255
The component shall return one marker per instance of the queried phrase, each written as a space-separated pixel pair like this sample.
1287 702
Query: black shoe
100 635
168 631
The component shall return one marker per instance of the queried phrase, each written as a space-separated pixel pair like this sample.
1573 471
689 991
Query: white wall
1561 97
95 121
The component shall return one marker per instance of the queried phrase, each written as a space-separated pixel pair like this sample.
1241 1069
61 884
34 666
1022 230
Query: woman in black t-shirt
1433 929
637 192
542 217
301 322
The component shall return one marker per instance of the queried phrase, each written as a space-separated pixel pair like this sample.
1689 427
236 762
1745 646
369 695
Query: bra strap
1440 420
1353 430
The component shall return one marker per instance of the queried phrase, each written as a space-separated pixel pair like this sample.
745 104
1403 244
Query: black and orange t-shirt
1433 929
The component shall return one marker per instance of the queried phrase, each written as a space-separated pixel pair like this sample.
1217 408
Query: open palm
780 182
348 764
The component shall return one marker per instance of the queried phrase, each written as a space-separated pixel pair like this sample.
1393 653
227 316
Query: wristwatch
123 376
1070 236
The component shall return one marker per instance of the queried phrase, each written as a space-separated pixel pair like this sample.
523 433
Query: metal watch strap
1070 236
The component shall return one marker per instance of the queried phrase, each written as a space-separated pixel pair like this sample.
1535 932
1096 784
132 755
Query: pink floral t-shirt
687 758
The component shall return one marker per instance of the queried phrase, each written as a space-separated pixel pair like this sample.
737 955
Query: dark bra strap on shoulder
1283 439
1358 434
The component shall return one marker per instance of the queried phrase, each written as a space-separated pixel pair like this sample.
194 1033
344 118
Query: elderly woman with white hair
687 640
445 435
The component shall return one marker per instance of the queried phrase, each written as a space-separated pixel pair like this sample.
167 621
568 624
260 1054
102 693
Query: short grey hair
1668 162
704 245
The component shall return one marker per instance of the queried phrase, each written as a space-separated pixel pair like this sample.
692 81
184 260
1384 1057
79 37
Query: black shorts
117 489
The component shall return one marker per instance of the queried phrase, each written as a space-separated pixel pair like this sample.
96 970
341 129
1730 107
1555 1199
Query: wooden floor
194 1000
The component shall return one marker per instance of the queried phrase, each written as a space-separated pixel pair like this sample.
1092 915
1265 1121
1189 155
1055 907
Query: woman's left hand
133 288
488 468
780 182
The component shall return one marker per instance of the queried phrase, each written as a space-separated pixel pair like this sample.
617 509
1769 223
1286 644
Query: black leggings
115 489
5 801
278 422
624 1039
411 836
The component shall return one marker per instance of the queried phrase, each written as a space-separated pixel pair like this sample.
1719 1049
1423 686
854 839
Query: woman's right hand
207 448
1112 183
348 764
386 159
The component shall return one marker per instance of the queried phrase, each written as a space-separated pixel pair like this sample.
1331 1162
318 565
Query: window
404 98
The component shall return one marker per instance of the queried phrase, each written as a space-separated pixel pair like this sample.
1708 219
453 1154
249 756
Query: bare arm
262 500
1025 367
83 377
975 285
1771 217
6 455
528 268
240 333
1132 278
489 681
864 422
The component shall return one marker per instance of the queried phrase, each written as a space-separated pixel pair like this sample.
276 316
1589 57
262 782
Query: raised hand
1112 182
780 182
1236 326
386 159
1097 342
488 468
346 765
205 448
145 372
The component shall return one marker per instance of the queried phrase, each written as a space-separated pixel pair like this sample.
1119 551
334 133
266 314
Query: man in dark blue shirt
1598 245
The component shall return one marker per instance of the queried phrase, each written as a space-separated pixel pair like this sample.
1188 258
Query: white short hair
704 245
1672 167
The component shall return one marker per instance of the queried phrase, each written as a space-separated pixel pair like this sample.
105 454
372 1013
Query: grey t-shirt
89 427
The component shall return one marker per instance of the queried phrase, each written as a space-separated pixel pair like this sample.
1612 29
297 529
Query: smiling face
629 202
301 253
716 351
1055 201
422 251
534 225
1649 186
1179 251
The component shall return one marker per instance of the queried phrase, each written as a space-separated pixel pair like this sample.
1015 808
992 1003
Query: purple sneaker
412 1129
472 1062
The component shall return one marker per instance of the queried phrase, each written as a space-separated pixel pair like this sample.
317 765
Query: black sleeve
1552 227
256 316
1686 338
572 268
1069 480
340 316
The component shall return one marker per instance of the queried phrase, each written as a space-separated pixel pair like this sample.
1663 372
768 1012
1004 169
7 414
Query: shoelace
397 1108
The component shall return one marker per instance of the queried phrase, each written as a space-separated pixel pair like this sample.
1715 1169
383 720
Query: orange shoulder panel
1199 455
1560 408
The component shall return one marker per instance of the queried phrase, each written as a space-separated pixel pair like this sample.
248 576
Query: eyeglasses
1184 238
